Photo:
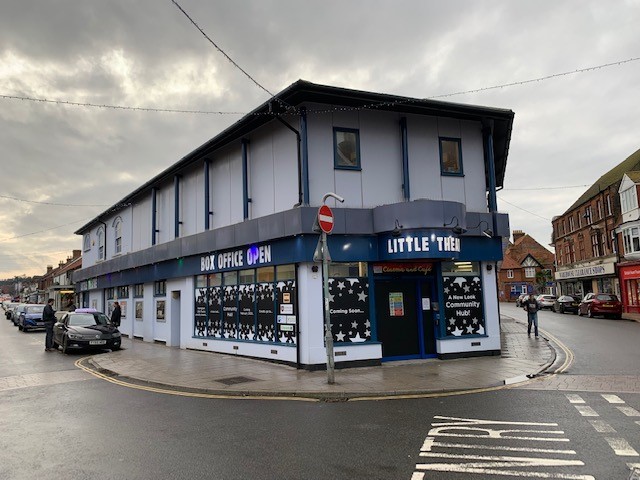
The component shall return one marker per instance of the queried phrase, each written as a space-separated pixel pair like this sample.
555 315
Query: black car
566 303
85 328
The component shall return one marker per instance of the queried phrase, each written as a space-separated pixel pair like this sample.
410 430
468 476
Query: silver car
546 301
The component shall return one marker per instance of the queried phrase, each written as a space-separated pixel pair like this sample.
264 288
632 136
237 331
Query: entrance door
397 318
427 296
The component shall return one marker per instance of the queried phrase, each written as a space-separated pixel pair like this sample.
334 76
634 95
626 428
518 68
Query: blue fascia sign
419 244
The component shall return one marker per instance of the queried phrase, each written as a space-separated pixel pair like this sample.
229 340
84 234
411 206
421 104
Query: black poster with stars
287 310
215 311
349 309
247 316
201 312
463 305
265 304
230 311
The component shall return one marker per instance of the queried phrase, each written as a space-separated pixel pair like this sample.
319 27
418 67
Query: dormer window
628 199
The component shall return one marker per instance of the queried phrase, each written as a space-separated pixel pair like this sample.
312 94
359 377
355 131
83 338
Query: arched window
117 231
100 235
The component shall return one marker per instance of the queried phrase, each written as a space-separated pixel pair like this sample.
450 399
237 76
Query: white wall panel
320 146
141 223
165 213
424 158
473 161
192 202
236 199
285 175
221 191
261 173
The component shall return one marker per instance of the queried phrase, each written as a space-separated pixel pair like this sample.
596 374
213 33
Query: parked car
566 303
605 304
16 311
520 299
545 301
31 317
85 328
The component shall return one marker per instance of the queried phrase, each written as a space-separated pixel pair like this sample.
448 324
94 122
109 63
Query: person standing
116 314
530 304
71 306
49 318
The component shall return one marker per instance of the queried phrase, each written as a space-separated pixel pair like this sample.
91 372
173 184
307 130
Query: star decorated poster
201 312
349 309
246 303
215 310
463 305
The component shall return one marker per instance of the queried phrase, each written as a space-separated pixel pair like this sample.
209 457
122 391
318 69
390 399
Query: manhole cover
235 380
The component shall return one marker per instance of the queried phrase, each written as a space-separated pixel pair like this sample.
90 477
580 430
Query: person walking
116 314
49 318
530 304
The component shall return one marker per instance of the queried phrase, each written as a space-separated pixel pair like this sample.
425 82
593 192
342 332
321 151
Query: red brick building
523 260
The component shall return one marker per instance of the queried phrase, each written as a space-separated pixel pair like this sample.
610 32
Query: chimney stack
517 234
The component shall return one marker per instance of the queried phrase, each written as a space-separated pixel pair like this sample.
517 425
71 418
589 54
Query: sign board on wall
588 271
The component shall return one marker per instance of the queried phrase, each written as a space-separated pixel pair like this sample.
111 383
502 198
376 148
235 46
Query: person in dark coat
116 314
71 307
530 304
49 318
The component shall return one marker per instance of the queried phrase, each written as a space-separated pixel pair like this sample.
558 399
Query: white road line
417 476
638 422
629 412
621 447
586 411
505 460
510 473
602 426
574 398
612 398
426 447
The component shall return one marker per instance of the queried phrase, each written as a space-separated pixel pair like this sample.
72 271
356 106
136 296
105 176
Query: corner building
216 252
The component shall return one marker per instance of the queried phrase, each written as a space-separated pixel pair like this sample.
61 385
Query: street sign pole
328 336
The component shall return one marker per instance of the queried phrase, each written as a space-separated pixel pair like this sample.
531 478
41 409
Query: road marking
612 398
629 411
443 456
602 426
621 447
586 411
574 398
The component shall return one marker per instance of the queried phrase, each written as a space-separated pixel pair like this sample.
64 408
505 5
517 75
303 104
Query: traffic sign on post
325 219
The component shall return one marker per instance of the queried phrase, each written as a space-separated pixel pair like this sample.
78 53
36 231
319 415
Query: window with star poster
462 288
349 303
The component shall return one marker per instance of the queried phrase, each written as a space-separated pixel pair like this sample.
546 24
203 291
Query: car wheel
589 313
65 344
561 309
114 349
617 317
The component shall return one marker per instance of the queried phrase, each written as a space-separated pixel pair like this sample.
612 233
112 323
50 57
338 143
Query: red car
604 304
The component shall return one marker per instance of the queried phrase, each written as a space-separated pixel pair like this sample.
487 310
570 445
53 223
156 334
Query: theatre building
216 253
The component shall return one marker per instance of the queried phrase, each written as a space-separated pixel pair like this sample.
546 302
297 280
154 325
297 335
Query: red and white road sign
325 219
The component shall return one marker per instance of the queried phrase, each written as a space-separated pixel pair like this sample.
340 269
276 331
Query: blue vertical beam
245 178
406 191
207 194
487 133
176 209
305 156
154 200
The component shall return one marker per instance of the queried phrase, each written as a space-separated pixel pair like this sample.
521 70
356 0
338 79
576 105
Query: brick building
523 260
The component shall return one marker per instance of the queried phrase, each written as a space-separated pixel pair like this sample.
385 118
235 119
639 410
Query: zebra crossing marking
602 426
586 411
629 411
612 398
621 447
573 398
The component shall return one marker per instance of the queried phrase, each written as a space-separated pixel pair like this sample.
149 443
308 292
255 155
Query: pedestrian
116 314
71 306
530 304
49 318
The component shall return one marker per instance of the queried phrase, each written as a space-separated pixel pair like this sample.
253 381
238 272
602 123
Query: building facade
527 267
216 253
629 242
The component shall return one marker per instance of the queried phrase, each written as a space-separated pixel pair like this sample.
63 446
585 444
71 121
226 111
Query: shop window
213 306
246 305
201 281
462 299
346 149
349 302
138 290
631 240
230 304
265 274
509 273
159 288
123 292
354 269
450 156
285 272
286 303
514 289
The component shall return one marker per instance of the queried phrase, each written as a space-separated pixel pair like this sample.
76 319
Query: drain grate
235 380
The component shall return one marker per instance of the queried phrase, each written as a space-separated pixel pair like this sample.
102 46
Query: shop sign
594 271
389 268
630 273
420 244
240 258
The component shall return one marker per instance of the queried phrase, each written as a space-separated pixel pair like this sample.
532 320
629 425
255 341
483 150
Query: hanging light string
370 106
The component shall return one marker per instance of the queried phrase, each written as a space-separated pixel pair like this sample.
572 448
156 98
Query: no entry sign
325 219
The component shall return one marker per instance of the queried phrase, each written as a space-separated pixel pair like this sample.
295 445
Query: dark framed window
109 293
346 148
450 156
160 288
123 292
138 290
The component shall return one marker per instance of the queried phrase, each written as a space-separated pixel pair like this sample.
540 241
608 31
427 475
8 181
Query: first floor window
509 273
346 144
631 237
530 272
138 290
160 288
450 156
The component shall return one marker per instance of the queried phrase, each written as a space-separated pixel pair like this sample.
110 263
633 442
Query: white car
545 301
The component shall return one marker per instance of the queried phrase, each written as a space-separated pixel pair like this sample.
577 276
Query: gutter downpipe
245 179
154 193
406 191
207 194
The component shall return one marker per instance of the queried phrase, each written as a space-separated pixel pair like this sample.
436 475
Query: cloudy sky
63 164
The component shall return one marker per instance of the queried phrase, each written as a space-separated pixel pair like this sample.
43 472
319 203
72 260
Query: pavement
171 369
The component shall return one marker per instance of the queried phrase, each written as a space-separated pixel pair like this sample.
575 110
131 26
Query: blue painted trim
406 188
154 203
373 317
207 194
491 167
336 166
459 142
176 209
305 156
245 179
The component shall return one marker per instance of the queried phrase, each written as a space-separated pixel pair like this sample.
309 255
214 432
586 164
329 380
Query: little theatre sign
419 244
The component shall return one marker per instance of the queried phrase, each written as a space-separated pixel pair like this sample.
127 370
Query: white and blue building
216 252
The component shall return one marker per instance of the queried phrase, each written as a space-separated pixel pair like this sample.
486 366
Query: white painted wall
141 224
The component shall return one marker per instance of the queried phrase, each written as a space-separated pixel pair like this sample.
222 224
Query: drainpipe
245 179
406 191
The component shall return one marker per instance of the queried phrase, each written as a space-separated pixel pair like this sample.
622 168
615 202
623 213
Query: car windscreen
606 298
34 309
88 319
